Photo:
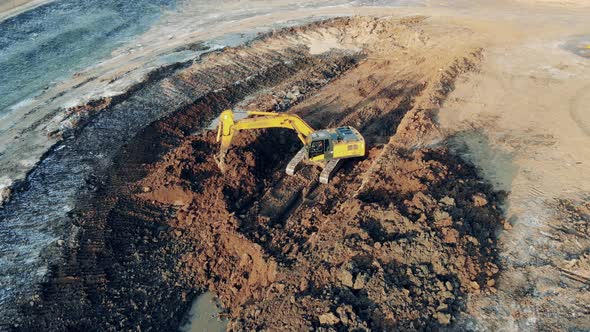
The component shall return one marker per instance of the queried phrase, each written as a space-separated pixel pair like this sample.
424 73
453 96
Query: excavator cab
336 143
318 148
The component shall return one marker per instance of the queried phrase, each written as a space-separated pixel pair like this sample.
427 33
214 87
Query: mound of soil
403 253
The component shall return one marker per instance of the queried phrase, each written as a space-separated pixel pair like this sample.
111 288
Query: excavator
325 148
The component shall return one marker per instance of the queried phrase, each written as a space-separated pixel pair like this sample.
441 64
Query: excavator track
296 161
328 170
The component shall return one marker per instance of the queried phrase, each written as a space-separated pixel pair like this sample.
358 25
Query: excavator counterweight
325 148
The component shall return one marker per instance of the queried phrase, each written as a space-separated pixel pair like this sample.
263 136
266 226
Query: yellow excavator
324 148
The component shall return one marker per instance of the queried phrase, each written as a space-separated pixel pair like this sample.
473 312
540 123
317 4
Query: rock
472 239
280 287
440 216
422 201
329 319
451 235
177 232
445 222
61 243
479 200
447 295
146 189
491 282
448 201
474 285
448 285
345 278
443 318
360 281
342 314
4 195
303 284
424 269
493 268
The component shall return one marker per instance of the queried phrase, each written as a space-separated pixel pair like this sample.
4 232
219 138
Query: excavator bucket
220 161
224 136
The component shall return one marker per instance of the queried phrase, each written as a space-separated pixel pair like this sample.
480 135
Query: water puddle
495 164
204 316
579 45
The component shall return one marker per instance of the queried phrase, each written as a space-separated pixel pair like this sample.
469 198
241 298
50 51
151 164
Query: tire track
576 109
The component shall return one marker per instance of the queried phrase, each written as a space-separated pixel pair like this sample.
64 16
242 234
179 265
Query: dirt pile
402 254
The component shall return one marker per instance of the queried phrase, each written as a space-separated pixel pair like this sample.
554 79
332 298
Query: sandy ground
525 122
9 8
521 119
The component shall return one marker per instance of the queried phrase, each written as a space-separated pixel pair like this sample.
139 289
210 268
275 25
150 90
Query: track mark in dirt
577 107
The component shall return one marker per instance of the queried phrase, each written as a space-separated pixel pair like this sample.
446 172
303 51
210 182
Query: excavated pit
398 239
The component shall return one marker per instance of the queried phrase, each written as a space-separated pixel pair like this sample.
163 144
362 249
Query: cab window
317 148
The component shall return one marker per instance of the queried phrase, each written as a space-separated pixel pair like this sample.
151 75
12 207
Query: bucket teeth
328 170
292 165
220 161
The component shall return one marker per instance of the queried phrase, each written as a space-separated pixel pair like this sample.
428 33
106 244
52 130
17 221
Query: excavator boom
257 120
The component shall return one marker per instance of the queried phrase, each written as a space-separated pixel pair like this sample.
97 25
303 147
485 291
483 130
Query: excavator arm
257 120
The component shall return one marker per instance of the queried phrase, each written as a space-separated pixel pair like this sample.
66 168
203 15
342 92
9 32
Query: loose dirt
403 253
398 239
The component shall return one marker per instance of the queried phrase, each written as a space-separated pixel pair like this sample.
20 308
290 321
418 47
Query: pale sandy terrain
568 3
9 8
527 128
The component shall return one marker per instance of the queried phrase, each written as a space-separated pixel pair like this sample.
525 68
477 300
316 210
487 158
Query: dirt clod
328 319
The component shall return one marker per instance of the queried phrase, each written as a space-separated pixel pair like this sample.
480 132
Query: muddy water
204 316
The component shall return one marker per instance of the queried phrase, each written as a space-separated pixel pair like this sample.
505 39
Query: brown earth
403 253
398 239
